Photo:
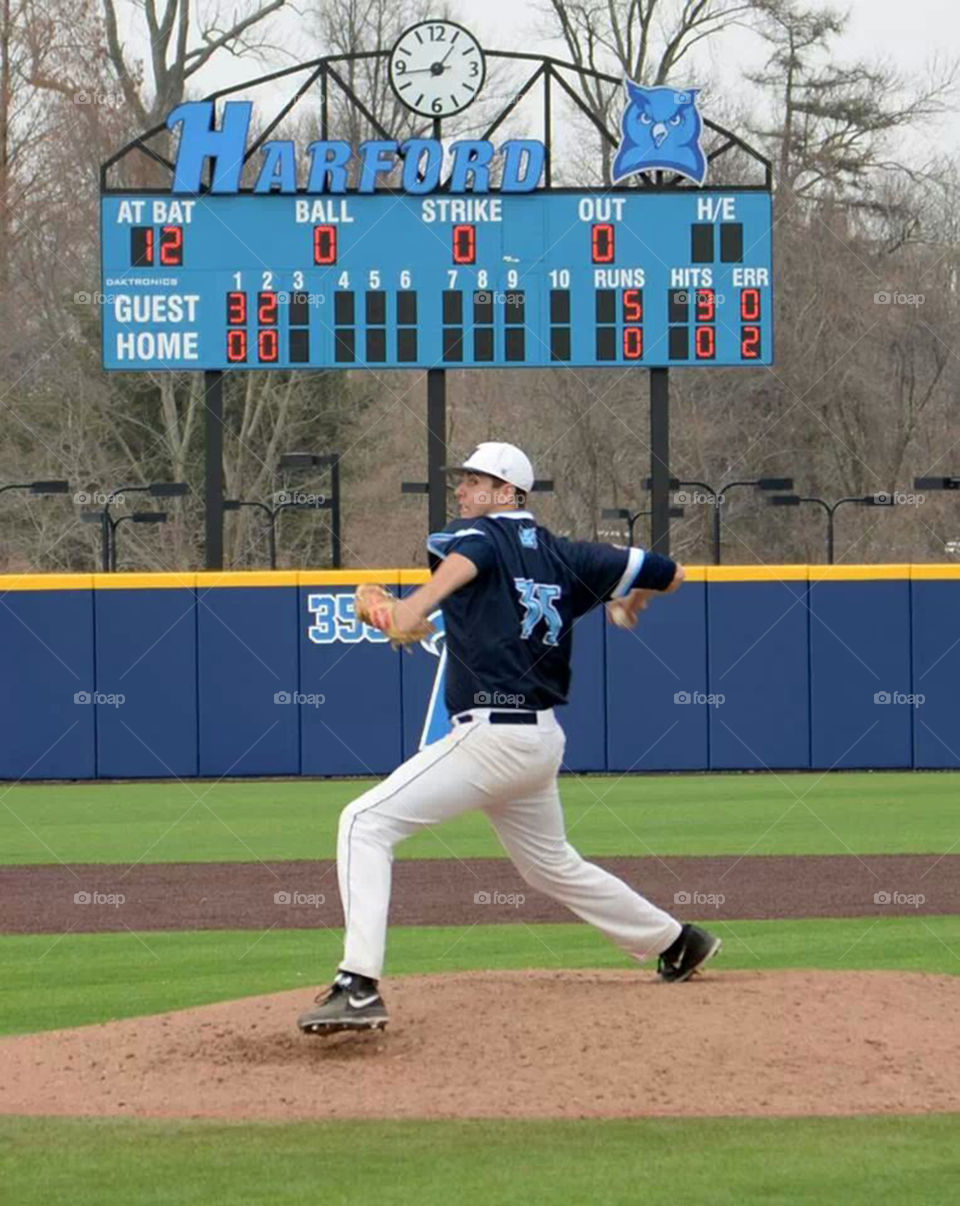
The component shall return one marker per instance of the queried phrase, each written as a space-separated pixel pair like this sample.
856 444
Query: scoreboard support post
336 556
660 461
213 456
436 449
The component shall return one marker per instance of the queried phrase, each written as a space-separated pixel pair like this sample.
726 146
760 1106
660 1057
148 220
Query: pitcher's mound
533 1044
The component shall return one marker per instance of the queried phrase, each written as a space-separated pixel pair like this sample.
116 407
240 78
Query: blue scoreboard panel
397 281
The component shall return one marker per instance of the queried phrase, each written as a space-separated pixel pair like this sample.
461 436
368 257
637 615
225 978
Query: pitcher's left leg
440 782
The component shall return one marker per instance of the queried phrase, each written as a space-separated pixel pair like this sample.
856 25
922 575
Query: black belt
502 717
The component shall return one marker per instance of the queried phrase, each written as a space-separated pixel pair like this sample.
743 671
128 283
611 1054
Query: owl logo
661 131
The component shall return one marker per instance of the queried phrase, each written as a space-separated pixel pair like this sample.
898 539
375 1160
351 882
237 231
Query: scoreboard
387 280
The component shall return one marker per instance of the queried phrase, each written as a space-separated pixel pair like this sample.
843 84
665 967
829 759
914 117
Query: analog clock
437 68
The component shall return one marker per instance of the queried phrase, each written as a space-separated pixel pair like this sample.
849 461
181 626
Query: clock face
437 68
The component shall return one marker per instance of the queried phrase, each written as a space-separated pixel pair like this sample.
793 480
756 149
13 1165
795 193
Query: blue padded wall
936 672
860 673
249 676
758 661
46 684
584 717
654 673
146 641
798 668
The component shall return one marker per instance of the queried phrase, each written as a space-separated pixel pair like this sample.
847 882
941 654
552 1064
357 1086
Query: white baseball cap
505 461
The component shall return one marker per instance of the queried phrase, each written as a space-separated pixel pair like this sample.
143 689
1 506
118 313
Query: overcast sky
905 34
906 31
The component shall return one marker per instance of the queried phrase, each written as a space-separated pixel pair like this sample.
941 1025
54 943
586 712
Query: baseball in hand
620 614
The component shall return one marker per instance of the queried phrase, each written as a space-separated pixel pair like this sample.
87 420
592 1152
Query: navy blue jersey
509 632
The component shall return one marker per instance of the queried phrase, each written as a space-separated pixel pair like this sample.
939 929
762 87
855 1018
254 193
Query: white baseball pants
509 771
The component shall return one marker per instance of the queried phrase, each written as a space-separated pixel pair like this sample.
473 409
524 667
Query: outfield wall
206 674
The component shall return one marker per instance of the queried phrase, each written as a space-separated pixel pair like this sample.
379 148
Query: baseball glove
375 606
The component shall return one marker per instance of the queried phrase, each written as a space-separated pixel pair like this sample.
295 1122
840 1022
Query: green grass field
658 1162
52 980
665 814
82 978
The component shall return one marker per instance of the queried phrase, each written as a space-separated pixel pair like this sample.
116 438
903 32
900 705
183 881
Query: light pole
234 504
866 500
313 460
758 483
952 547
56 487
936 483
632 516
136 517
108 524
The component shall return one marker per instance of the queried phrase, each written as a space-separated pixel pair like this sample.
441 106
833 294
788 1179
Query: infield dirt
532 1044
87 898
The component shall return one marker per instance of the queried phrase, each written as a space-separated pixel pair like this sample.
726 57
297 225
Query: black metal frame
551 74
546 69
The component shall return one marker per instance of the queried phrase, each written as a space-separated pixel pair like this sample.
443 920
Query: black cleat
688 954
351 1003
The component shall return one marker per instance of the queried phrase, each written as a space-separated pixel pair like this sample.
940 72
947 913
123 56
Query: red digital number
632 343
148 244
706 305
236 346
464 244
268 344
267 309
236 309
749 343
750 305
171 246
706 342
633 305
602 243
324 244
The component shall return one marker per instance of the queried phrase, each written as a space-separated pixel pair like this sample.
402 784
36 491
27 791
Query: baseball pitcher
511 593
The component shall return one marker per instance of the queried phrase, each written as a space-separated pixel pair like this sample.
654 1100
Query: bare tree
176 52
831 133
647 40
350 27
